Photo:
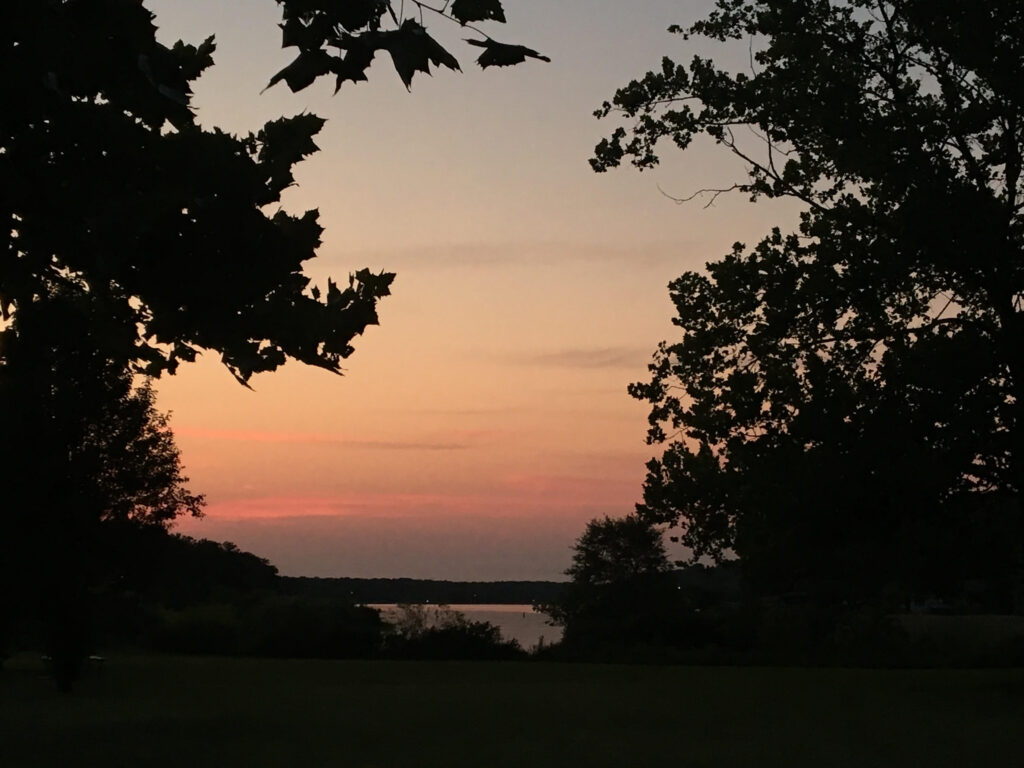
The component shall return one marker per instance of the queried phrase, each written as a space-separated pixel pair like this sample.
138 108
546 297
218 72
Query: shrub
439 633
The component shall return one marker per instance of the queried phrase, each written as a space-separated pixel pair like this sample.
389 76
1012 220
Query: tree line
402 590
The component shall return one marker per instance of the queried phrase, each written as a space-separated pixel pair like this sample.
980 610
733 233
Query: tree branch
715 193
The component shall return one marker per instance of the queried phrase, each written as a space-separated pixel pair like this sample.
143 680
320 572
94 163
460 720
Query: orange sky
486 420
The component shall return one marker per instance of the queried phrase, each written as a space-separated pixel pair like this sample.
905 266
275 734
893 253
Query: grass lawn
192 712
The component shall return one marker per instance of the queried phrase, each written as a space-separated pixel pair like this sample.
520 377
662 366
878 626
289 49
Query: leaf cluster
342 39
113 189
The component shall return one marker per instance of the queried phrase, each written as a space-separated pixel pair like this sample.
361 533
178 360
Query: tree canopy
621 590
78 426
842 388
613 551
88 465
112 186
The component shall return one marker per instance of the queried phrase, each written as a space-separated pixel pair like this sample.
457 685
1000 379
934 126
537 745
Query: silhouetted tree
617 550
621 590
86 457
177 570
839 391
173 234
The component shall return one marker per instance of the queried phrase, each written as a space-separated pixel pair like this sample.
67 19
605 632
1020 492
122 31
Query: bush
440 633
210 628
271 625
310 628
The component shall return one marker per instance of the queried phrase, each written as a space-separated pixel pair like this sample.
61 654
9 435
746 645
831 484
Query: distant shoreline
406 590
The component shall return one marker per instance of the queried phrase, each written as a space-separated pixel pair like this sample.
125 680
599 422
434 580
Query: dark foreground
193 712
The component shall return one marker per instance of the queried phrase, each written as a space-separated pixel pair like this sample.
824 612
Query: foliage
189 260
75 421
622 591
113 188
87 460
173 236
356 31
840 392
178 594
183 595
438 632
175 570
269 625
381 590
612 551
159 574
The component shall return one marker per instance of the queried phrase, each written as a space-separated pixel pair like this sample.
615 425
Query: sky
486 420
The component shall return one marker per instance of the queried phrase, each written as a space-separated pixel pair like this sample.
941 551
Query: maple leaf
502 54
306 68
194 60
359 53
413 50
356 14
478 10
283 143
307 36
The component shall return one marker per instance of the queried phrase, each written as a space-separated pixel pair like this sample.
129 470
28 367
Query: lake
516 622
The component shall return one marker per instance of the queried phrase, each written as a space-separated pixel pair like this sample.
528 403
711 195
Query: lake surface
516 622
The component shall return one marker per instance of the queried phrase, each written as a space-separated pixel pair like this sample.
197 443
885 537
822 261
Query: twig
714 195
443 13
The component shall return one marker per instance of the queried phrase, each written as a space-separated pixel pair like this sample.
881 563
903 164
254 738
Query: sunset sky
486 420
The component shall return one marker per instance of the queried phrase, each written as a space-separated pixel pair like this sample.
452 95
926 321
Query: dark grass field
192 712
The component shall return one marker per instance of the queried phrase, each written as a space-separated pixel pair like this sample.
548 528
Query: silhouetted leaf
413 50
306 68
478 10
352 66
378 285
283 143
503 55
192 61
357 14
306 35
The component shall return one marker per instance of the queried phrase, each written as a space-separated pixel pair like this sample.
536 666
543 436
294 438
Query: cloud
534 254
587 357
312 438
465 547
521 526
374 505
505 411
522 494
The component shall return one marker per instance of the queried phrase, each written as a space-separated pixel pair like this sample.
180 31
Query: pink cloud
521 494
562 488
451 440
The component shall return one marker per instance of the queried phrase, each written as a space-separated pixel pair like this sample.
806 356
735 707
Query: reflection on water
516 622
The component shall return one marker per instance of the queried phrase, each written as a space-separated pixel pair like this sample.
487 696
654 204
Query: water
516 622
